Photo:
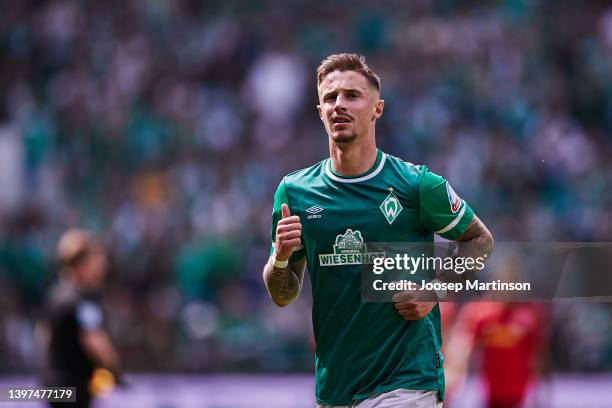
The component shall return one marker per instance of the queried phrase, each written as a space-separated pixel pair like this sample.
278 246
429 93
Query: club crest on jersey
391 207
453 198
349 249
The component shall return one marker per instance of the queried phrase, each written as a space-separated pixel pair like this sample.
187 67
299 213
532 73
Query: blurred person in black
76 341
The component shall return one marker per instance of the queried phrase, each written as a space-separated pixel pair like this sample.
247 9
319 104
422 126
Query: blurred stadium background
165 126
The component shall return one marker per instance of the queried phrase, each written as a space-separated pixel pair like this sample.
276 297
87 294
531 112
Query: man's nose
340 105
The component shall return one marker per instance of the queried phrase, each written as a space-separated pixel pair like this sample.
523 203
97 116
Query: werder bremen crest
391 207
349 249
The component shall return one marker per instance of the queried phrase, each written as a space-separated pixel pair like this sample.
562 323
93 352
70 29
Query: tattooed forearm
476 240
284 284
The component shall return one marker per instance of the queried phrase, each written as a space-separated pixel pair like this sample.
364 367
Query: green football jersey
365 348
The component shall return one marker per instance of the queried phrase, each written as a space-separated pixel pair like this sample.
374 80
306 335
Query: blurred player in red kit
509 337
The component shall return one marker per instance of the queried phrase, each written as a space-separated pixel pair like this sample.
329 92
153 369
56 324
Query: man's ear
320 111
378 109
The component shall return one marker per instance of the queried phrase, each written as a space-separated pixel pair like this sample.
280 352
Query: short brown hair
347 62
74 246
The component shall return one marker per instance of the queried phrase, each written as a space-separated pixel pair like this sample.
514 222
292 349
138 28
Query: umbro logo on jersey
314 212
314 209
391 207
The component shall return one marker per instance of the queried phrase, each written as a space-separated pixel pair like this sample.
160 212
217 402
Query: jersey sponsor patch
349 249
453 198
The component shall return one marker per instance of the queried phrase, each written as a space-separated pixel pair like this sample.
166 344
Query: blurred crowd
165 127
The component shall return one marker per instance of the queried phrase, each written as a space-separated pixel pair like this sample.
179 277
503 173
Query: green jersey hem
381 390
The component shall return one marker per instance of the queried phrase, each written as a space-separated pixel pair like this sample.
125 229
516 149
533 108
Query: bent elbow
282 302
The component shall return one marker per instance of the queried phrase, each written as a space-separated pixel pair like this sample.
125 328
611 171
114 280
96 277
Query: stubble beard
343 138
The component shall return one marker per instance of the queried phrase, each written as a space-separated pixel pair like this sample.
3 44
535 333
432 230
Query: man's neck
353 160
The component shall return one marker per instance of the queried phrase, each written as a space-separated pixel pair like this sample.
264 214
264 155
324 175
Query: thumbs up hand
288 234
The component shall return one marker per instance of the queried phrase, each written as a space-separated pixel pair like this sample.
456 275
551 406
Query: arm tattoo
475 242
478 237
284 284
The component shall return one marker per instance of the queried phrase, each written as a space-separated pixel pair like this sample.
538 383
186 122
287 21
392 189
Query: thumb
285 211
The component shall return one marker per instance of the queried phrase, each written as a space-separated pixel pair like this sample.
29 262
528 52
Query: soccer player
367 354
77 340
510 337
